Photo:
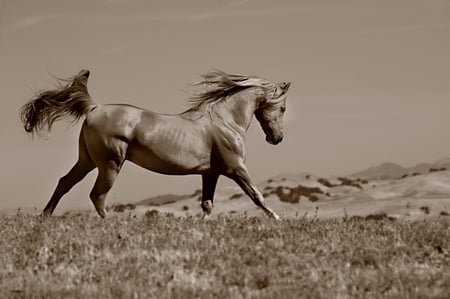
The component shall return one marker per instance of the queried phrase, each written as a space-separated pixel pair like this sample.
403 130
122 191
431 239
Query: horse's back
114 120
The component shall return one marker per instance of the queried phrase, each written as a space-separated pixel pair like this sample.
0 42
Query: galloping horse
207 139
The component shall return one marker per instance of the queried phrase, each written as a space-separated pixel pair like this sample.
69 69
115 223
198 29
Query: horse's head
270 112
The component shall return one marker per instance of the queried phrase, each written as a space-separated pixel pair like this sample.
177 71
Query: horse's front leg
242 178
209 183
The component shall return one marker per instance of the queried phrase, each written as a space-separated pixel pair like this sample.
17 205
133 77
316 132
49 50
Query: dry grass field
157 255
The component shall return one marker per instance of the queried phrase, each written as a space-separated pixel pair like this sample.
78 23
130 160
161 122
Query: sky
370 81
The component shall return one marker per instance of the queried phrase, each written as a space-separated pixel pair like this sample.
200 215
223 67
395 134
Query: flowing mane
219 85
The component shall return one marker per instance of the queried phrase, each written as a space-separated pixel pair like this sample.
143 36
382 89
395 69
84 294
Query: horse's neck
237 111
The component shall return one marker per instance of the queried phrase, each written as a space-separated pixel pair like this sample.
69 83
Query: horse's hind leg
83 166
106 176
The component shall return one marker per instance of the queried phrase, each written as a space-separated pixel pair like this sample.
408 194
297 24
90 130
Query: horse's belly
168 161
170 145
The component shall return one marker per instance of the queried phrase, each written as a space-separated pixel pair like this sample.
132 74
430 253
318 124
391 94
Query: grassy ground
161 256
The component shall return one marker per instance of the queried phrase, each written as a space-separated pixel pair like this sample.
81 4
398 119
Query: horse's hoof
102 213
46 214
276 217
207 206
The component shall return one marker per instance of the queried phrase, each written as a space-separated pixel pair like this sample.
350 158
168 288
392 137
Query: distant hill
394 171
429 185
420 168
444 162
381 172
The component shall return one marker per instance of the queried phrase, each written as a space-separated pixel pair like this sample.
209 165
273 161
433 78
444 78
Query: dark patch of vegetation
119 208
236 196
444 213
151 213
293 195
416 174
343 182
350 182
326 183
290 197
437 169
313 197
425 209
362 181
380 216
160 200
404 176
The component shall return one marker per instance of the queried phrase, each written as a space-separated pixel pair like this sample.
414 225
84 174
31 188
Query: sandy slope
410 197
399 198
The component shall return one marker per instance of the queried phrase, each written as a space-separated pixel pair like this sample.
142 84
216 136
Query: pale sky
370 81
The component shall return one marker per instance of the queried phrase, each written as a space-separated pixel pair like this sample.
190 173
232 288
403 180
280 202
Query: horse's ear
84 73
284 86
81 79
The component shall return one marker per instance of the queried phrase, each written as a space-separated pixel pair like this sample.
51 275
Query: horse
207 139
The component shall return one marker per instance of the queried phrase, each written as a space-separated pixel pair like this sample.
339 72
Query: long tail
49 106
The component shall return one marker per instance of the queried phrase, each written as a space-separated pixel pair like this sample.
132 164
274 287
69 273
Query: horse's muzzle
274 140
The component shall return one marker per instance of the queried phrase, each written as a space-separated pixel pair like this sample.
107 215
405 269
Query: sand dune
413 196
297 195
